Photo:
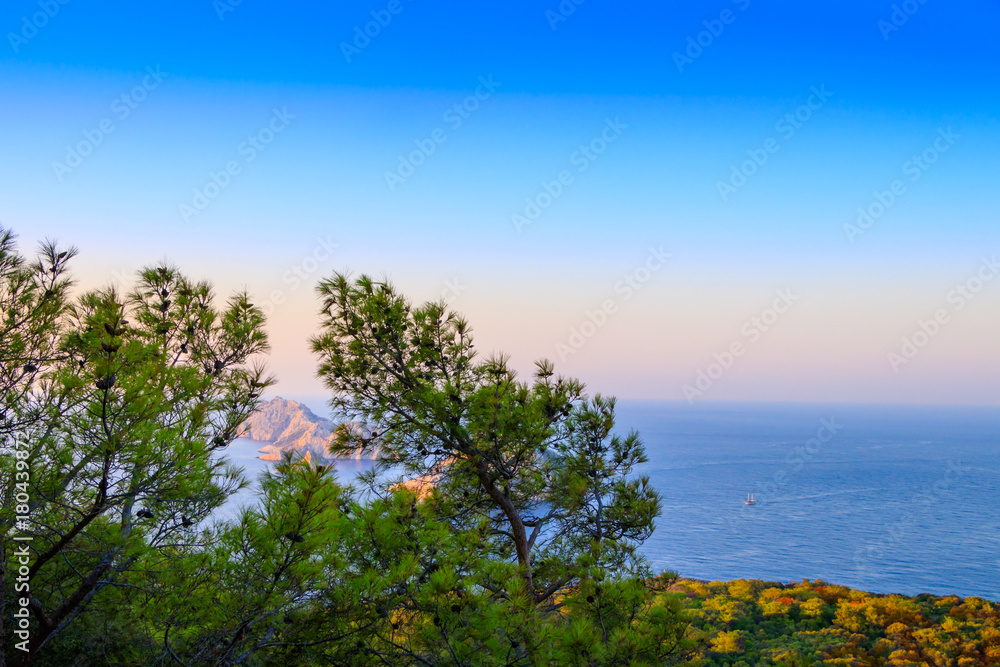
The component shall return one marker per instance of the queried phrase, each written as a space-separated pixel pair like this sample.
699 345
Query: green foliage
533 464
519 548
33 299
126 399
244 591
523 553
528 475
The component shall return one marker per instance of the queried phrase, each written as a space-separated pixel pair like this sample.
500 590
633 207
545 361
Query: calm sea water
244 453
898 499
886 499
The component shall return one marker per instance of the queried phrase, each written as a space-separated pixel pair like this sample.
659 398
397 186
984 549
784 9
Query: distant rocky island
288 426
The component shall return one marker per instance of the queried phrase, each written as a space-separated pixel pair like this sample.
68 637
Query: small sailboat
750 500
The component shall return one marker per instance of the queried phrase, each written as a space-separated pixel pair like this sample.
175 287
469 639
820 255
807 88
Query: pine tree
533 469
117 409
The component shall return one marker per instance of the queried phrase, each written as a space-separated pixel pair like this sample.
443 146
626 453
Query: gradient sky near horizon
447 229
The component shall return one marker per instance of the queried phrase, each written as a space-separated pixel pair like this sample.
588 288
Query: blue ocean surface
889 499
902 499
243 452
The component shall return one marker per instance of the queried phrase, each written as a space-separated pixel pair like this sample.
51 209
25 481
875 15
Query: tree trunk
517 530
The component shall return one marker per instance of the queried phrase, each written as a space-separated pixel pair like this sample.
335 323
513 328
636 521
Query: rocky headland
290 426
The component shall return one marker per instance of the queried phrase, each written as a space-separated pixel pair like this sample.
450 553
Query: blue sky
556 85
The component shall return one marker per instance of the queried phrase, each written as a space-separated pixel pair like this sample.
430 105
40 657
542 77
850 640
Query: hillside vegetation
753 623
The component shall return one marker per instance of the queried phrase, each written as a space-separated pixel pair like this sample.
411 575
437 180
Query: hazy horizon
319 404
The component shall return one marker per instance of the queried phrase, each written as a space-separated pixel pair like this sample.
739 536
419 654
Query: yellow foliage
849 616
725 609
949 624
905 659
813 607
790 657
770 594
897 630
742 589
728 642
868 629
